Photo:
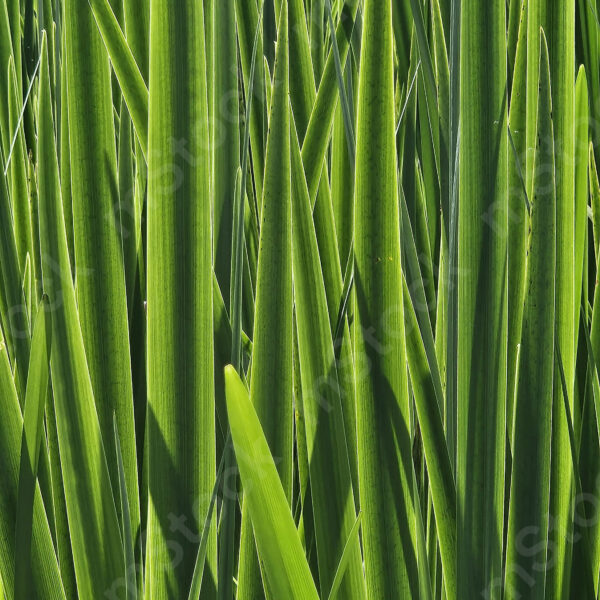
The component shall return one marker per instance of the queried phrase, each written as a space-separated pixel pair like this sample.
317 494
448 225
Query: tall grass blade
382 384
561 42
328 457
90 506
271 372
530 480
181 421
482 298
100 291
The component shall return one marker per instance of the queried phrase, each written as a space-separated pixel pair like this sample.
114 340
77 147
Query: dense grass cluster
298 299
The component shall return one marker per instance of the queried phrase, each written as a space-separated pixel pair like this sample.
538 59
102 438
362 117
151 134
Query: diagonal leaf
287 572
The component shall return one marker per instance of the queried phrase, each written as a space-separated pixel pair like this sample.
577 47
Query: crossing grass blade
482 298
31 442
286 570
125 67
314 143
434 444
345 558
382 383
180 418
42 567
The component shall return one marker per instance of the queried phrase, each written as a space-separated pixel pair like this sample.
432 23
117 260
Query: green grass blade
93 524
249 20
126 69
271 376
226 192
345 558
201 556
181 421
518 218
286 570
239 212
43 573
100 291
561 43
530 481
136 16
329 466
346 112
31 442
482 297
384 449
441 480
225 136
318 128
127 534
18 172
584 586
15 320
582 121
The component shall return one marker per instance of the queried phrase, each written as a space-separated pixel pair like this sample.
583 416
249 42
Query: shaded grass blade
530 481
31 443
482 297
382 403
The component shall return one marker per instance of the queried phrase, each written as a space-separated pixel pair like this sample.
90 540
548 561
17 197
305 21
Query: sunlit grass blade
286 570
100 290
93 523
181 421
126 69
384 447
482 298
561 43
31 442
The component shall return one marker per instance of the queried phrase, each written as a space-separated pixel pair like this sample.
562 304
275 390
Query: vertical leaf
482 297
181 425
90 506
101 294
384 447
271 376
530 481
